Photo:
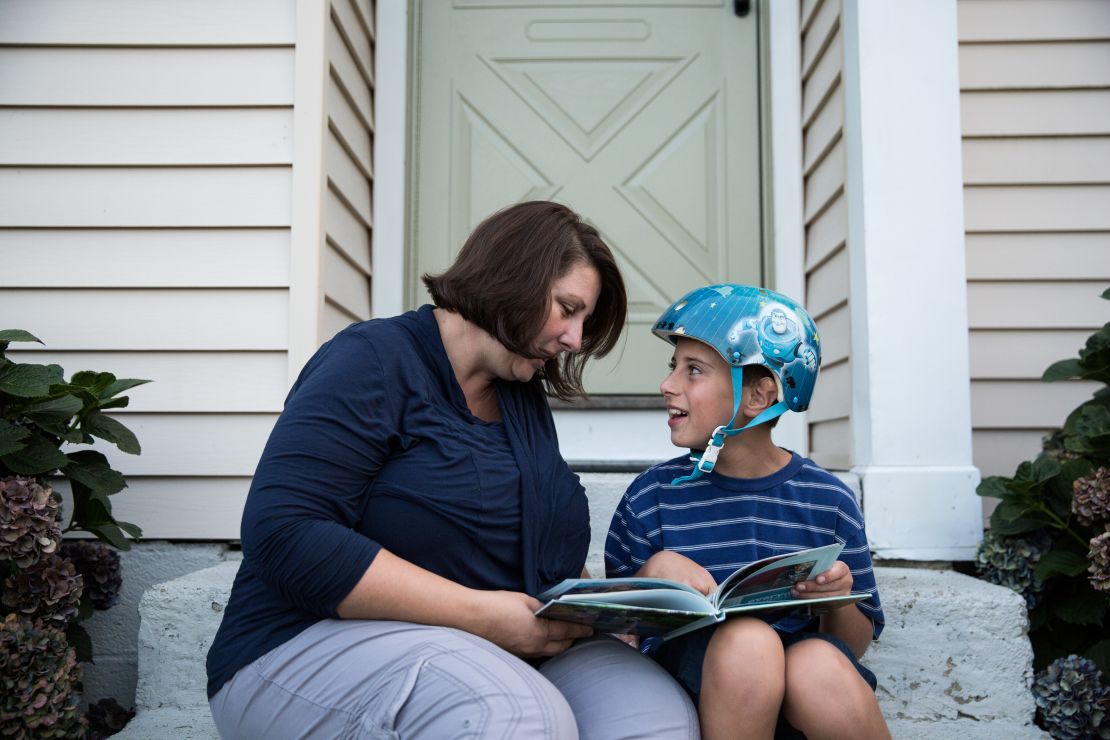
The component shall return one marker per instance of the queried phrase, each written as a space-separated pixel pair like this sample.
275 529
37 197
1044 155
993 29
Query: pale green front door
643 119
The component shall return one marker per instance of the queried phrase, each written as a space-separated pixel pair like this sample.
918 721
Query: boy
743 356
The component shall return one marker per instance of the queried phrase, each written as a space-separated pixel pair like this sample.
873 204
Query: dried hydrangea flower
39 676
50 590
99 566
1009 561
1071 699
1099 568
28 521
1091 497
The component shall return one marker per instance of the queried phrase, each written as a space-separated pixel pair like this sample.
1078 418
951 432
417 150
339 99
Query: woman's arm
393 588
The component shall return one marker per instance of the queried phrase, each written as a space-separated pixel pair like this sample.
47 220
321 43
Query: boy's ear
762 394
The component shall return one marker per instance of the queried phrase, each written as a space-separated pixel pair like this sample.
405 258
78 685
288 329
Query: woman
411 501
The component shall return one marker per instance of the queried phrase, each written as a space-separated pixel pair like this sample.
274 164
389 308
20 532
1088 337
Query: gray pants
383 679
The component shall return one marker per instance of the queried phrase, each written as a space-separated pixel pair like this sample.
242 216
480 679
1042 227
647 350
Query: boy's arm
850 625
846 622
675 567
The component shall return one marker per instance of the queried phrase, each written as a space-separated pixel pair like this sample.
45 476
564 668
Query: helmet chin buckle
712 450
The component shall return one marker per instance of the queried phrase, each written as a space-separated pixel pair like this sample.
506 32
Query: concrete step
953 662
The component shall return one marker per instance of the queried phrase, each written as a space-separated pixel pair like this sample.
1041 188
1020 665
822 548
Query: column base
921 513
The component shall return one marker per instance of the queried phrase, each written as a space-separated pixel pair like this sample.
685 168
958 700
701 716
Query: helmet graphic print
748 325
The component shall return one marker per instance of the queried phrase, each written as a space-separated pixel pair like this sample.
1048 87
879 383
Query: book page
620 619
772 578
612 585
656 598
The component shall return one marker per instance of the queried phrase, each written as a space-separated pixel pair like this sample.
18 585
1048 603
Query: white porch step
953 662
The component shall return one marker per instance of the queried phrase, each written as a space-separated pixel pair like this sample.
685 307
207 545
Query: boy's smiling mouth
675 416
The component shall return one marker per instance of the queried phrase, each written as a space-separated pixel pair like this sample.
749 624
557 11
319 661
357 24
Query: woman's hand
675 567
507 619
836 581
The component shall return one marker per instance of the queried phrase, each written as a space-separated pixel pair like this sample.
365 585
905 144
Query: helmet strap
705 462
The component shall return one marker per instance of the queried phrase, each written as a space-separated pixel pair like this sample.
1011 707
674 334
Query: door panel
643 119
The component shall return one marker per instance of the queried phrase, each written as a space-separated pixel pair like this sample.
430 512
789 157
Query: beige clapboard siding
183 508
347 285
1037 255
1025 404
349 100
57 76
1037 207
208 382
825 213
1043 160
830 442
1040 65
1033 20
1000 451
834 401
334 318
192 444
146 152
136 258
105 320
1035 110
146 136
161 197
1021 354
835 334
145 23
1038 305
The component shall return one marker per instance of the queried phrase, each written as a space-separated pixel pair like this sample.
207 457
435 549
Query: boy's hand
836 581
675 567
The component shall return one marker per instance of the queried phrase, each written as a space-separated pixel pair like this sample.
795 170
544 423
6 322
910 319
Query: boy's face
698 394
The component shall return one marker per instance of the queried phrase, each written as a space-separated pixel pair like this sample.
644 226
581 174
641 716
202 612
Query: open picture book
656 606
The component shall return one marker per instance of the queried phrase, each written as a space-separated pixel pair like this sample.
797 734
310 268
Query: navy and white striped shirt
724 523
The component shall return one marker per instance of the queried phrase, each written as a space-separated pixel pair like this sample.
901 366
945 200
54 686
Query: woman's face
573 298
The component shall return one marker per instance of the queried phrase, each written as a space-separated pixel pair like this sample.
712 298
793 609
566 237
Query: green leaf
132 529
94 381
25 381
10 436
993 486
1059 562
97 475
1016 526
39 456
18 335
79 639
115 403
113 431
1062 370
109 533
1085 607
120 386
55 410
1100 651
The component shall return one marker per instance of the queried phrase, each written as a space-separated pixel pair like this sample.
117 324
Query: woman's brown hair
501 281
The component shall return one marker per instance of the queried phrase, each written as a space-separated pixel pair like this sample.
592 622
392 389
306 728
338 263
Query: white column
911 407
784 179
391 67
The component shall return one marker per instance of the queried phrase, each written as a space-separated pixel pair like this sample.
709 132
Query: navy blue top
376 448
724 523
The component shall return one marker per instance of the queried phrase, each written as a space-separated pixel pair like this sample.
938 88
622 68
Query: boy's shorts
683 656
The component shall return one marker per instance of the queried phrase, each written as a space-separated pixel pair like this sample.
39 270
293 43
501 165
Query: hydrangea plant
47 588
1062 497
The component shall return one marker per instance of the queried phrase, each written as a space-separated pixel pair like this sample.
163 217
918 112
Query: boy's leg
826 696
383 679
742 681
618 694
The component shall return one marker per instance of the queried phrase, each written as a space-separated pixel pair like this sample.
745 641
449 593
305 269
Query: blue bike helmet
747 325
